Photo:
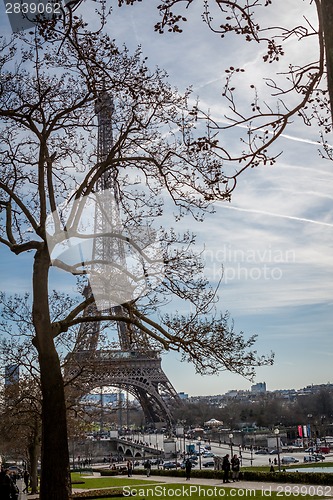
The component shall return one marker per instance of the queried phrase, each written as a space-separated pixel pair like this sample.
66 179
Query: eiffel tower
135 367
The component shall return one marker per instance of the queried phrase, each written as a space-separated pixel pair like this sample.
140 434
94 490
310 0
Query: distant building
183 395
112 399
233 393
12 378
12 375
259 388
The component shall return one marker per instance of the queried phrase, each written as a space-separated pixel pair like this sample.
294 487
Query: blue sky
274 239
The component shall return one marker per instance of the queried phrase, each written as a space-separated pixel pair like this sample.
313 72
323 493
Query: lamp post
277 432
231 450
251 449
199 443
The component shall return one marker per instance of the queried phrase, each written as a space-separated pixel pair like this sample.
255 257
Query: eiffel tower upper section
110 249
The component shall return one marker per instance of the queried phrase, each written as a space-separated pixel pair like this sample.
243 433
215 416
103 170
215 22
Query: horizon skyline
263 392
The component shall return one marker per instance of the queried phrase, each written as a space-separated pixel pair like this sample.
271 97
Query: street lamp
277 432
230 437
199 443
251 449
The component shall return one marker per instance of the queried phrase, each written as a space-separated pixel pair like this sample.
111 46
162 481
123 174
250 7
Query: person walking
235 468
226 468
148 467
129 468
26 477
188 467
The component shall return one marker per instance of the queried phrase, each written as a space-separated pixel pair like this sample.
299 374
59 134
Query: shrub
252 475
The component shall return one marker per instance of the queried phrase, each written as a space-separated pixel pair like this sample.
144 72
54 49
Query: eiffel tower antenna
135 367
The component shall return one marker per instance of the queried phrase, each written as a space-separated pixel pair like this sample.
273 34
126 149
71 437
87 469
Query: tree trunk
55 473
33 451
327 22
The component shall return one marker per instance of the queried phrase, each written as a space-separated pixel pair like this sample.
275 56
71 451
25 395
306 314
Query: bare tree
49 157
298 90
21 407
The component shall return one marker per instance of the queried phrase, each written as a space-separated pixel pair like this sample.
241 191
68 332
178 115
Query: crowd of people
230 466
8 484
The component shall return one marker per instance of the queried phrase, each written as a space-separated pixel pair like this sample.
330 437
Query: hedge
324 478
92 494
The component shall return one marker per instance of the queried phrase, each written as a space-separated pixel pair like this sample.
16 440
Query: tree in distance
20 398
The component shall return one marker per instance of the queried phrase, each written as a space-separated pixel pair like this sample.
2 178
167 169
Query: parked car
17 470
319 456
317 449
261 452
289 460
310 458
208 463
182 465
169 465
273 452
208 454
155 461
314 458
324 449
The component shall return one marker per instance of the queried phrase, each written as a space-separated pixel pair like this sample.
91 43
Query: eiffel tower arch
135 367
138 373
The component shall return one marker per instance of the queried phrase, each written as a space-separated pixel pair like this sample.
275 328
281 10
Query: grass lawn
155 490
107 482
197 492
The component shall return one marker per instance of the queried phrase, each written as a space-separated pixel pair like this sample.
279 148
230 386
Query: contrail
262 212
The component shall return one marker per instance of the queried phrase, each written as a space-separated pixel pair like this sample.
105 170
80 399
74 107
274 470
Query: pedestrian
26 477
8 489
235 467
5 493
188 467
226 468
129 468
148 467
272 468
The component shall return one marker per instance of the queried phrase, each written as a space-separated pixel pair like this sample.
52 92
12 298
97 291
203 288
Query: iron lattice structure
135 367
